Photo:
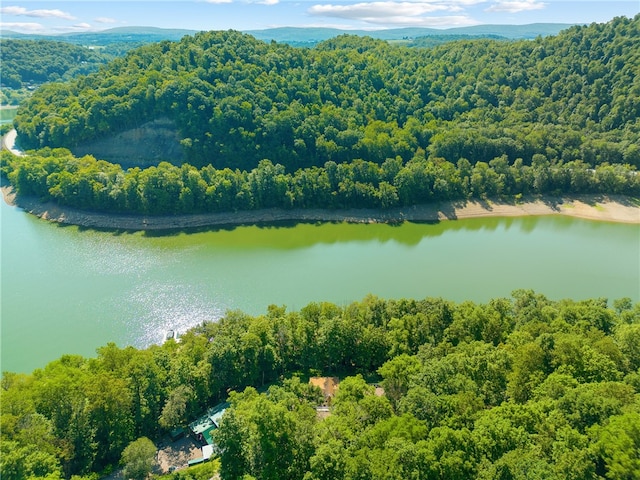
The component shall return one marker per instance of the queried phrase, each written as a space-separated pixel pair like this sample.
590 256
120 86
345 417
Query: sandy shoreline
9 143
610 209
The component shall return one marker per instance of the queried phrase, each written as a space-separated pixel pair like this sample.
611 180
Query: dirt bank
142 146
610 209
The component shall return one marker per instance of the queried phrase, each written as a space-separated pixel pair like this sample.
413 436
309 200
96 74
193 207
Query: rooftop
208 422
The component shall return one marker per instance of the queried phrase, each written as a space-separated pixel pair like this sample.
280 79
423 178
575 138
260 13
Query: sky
52 16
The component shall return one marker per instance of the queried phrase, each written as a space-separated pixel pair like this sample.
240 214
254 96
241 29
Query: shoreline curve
618 209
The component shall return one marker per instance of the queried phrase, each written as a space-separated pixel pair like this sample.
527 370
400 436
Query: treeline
430 41
237 101
491 390
33 62
168 189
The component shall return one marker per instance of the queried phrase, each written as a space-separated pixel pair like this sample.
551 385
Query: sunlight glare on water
163 307
68 290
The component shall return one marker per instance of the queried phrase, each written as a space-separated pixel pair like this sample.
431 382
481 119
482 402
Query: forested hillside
33 62
524 387
354 122
236 100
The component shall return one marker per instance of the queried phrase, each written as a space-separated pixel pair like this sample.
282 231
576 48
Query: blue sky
53 16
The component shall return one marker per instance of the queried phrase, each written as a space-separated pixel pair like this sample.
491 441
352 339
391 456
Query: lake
7 114
71 290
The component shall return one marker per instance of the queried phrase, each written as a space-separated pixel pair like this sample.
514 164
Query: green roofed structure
204 426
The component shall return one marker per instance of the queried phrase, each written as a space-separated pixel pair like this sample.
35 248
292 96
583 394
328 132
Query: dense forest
521 387
85 183
33 62
354 122
516 388
237 101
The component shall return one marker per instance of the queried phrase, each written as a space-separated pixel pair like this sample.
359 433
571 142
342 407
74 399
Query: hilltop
234 100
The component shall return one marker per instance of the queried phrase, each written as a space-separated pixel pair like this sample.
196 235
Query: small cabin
328 386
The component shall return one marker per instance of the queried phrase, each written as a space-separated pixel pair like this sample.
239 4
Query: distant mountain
137 35
314 35
295 35
12 34
531 30
150 31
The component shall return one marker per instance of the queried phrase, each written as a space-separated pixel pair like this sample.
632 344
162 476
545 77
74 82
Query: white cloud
375 9
50 14
259 2
515 6
446 21
22 26
13 10
78 27
466 3
105 20
21 11
82 26
339 26
428 22
396 13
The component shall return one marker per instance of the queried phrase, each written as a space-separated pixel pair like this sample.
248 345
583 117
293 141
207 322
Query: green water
68 290
7 115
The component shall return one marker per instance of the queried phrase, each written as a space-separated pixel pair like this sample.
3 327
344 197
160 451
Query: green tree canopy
138 458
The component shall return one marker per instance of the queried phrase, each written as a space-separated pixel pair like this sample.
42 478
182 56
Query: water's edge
617 209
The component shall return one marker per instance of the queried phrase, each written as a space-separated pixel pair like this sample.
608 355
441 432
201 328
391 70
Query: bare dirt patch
142 146
170 454
176 454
